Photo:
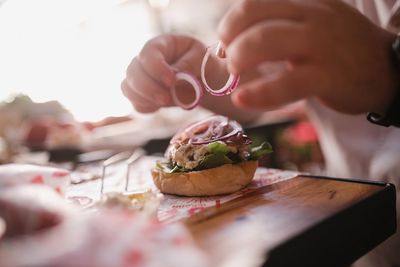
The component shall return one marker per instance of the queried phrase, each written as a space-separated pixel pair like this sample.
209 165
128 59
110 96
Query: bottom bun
221 180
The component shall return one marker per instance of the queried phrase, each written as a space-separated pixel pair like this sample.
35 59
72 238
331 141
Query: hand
334 53
151 74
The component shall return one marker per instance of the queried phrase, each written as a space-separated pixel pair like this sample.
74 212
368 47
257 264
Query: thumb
156 66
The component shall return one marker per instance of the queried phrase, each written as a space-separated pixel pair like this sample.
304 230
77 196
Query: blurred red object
27 209
37 133
303 132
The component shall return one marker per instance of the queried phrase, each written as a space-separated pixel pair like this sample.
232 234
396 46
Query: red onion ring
232 82
215 131
198 89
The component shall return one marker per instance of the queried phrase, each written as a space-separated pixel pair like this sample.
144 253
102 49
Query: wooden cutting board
304 221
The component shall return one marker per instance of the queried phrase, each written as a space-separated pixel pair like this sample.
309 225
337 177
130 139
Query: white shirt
353 147
379 11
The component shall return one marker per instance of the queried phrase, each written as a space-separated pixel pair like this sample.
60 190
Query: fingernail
220 50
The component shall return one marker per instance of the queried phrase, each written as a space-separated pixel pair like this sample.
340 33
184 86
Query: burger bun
221 180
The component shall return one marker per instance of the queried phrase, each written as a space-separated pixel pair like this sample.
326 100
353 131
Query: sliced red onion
214 130
198 89
232 81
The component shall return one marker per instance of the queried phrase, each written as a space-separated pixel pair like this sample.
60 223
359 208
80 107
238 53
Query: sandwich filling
208 144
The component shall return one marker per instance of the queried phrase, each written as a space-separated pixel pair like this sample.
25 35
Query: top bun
221 180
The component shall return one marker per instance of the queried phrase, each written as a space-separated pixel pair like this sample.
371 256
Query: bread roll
221 180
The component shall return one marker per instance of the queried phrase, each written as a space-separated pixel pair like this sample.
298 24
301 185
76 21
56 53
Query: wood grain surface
246 229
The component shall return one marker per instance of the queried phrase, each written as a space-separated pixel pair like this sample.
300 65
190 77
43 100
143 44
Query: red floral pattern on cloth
43 229
17 174
174 208
171 208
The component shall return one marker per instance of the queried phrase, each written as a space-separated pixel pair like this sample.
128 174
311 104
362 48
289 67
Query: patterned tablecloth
172 208
43 229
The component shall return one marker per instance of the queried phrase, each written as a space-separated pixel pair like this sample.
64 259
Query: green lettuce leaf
168 168
213 161
177 169
218 148
218 155
260 151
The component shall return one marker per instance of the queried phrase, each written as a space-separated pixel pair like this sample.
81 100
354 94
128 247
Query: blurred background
74 50
62 62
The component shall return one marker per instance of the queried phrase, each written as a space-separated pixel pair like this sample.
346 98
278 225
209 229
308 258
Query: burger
210 157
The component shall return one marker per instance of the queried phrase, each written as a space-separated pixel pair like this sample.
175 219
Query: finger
153 58
140 82
266 94
185 63
248 12
160 53
277 40
138 102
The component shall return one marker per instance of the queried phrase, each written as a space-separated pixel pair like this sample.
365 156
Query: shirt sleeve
394 21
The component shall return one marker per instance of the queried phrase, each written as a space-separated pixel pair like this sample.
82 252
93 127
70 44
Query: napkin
43 229
19 174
